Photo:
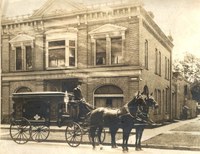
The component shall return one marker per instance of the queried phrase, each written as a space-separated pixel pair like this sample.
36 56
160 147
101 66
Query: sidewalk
154 138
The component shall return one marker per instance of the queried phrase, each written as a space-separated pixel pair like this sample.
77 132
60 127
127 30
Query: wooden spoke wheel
40 133
73 134
20 130
96 140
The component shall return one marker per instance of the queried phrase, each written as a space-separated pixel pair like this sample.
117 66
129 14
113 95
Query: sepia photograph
99 77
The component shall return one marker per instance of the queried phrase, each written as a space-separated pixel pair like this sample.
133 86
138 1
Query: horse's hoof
125 150
137 149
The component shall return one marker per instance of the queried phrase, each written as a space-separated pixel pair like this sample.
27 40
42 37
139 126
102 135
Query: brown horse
133 112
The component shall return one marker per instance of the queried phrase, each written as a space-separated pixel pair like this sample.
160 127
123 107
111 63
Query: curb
171 147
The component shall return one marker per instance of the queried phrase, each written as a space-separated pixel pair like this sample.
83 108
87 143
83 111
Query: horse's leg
99 136
126 133
136 137
140 137
124 140
113 131
92 135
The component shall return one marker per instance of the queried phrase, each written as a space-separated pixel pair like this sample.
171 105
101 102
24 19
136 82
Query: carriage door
108 96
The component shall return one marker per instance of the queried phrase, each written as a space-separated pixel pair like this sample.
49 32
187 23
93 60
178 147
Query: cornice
76 73
157 31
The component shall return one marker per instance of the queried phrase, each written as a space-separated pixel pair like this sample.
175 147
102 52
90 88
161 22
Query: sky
178 18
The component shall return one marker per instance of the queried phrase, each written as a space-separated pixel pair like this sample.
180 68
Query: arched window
108 96
23 89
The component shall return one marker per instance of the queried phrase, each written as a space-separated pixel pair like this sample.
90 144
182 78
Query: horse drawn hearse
34 113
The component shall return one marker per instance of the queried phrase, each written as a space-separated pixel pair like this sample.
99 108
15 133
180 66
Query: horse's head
138 100
151 102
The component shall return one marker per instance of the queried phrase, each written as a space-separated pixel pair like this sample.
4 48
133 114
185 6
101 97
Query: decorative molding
108 28
58 7
21 40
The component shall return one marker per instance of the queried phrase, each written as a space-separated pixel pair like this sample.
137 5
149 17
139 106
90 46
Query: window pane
28 57
72 43
71 56
101 52
116 50
57 43
18 58
57 57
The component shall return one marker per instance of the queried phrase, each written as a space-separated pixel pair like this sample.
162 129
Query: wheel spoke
20 130
40 133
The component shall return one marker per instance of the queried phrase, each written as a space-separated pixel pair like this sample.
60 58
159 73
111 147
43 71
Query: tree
189 69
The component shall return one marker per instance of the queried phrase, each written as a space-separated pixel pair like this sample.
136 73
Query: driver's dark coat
77 94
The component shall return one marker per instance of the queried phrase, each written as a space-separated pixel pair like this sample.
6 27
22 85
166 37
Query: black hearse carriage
34 113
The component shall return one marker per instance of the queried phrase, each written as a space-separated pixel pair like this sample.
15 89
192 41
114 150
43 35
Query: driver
83 105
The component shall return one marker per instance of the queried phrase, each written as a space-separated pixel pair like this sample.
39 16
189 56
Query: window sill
59 68
23 70
111 65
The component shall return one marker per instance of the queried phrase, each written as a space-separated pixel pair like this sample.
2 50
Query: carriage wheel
40 133
73 134
96 140
20 130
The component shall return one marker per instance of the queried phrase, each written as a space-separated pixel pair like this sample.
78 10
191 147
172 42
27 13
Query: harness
139 116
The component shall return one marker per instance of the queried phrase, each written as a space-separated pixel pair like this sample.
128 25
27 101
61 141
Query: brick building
115 48
182 97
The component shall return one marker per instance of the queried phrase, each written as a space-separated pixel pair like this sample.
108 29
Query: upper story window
101 52
146 50
56 53
22 45
167 68
116 50
157 62
108 44
61 49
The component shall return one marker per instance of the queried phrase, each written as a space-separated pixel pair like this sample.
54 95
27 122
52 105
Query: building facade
182 98
115 48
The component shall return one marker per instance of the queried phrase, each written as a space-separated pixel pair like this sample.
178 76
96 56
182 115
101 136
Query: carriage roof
38 94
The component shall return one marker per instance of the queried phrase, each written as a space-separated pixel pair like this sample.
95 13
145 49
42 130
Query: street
180 137
9 147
